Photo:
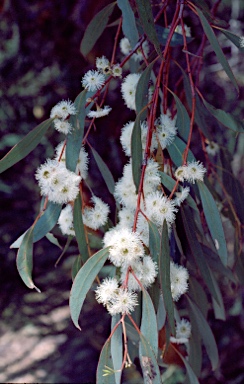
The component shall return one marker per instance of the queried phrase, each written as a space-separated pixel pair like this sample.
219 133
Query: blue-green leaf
176 150
154 241
105 172
79 229
129 23
83 282
183 120
95 28
190 373
148 362
117 348
213 219
25 259
149 322
53 239
76 266
25 146
216 47
167 181
235 39
136 152
142 91
105 369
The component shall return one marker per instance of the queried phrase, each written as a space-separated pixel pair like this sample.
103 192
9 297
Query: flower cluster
191 172
165 130
96 216
179 280
183 332
141 52
60 113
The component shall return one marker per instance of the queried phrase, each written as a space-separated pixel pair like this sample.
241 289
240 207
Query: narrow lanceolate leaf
154 241
227 119
149 322
213 219
117 348
79 230
190 373
146 18
196 250
142 90
105 369
183 120
129 23
167 181
76 266
105 172
219 309
164 277
235 39
148 362
95 28
216 47
83 282
53 240
176 150
74 138
136 151
25 146
205 332
25 259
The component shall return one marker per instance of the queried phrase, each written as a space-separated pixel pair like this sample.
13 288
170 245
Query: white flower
102 63
212 148
154 143
124 302
93 80
126 217
126 133
125 46
183 329
178 340
165 130
125 246
65 221
145 270
181 196
62 126
82 164
98 215
116 70
159 208
142 229
152 177
100 112
106 291
241 42
194 171
63 109
58 151
128 89
179 280
187 29
180 173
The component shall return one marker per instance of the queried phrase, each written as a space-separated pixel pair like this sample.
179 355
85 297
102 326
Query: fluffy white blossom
124 302
82 163
126 217
180 173
187 30
125 246
212 148
126 133
60 148
183 332
106 291
62 126
128 89
116 70
100 112
191 172
145 270
63 109
96 216
181 196
125 48
93 80
57 183
165 130
102 64
152 177
159 208
179 280
65 221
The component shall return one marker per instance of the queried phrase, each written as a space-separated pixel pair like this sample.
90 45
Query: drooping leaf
215 264
154 241
227 119
219 309
25 146
161 313
146 18
25 259
216 47
53 239
197 293
105 172
105 374
214 221
176 150
76 266
83 282
190 373
205 332
95 28
183 120
167 181
148 362
79 229
129 23
117 348
136 151
44 225
164 277
149 322
235 39
74 138
142 91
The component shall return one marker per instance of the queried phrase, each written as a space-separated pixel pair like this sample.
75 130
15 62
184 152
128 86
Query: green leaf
214 221
79 229
25 146
183 120
148 362
196 249
95 28
190 373
147 21
44 225
219 309
215 264
167 181
105 367
227 119
136 151
75 137
129 23
176 150
164 277
76 266
197 293
25 259
83 282
53 239
105 172
216 47
149 322
205 332
117 348
142 90
235 39
154 241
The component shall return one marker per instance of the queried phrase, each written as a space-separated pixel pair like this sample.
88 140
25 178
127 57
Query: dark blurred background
41 64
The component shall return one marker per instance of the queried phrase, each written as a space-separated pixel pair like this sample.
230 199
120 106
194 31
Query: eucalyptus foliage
195 186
